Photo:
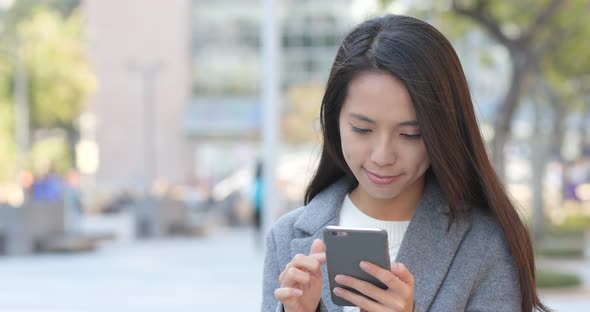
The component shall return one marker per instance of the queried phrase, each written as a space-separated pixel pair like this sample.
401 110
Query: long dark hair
425 62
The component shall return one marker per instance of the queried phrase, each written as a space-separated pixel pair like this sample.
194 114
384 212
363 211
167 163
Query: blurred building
224 117
179 81
139 51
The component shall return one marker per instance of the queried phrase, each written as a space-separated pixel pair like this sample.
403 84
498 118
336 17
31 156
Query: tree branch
478 15
554 41
543 18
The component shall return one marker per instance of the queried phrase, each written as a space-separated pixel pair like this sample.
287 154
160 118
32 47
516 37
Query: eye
411 136
360 130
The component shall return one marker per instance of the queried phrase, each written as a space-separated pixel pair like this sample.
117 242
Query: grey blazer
467 268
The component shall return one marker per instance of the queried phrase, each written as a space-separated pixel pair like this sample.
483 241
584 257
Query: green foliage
564 253
566 69
52 45
554 279
513 17
573 223
59 77
566 240
7 146
64 7
51 152
453 27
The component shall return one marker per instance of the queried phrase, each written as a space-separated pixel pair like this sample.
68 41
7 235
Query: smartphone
346 247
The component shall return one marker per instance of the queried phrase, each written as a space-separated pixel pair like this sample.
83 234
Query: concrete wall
123 38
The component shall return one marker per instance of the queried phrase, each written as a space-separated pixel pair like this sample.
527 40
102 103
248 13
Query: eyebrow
412 123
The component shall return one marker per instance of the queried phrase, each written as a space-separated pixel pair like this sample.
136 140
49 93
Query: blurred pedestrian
48 187
402 151
72 197
258 200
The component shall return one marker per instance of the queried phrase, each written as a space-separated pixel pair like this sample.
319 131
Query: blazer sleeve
497 286
271 279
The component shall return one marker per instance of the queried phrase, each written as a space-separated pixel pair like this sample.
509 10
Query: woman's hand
398 297
301 281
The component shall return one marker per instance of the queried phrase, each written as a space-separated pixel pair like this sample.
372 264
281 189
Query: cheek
419 159
346 150
424 162
350 150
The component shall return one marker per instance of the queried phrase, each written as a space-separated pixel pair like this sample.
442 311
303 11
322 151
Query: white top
351 216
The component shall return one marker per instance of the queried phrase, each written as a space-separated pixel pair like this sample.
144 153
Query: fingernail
340 278
298 292
338 291
364 265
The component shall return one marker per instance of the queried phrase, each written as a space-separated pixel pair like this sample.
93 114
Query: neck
399 208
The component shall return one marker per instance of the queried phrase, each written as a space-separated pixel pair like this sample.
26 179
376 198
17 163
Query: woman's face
381 140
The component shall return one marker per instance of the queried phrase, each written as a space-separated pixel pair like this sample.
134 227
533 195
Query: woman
402 151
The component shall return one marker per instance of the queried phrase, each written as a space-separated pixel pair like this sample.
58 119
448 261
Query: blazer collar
323 209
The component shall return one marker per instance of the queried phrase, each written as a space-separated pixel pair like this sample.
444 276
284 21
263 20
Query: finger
295 276
286 293
320 257
307 263
402 272
317 247
366 288
358 300
302 263
384 276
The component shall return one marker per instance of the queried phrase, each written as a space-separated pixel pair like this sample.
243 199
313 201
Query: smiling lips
381 180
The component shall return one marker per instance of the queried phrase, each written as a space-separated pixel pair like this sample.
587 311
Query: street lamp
148 73
147 214
270 111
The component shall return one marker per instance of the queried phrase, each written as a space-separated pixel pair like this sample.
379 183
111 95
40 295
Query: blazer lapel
428 249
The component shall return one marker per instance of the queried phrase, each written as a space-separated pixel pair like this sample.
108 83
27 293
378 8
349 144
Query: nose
383 152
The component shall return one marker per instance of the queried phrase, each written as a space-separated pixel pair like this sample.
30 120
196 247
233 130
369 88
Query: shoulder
487 241
485 226
285 224
287 227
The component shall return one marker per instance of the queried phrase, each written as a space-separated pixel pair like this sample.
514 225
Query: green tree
7 146
530 30
563 86
60 77
47 36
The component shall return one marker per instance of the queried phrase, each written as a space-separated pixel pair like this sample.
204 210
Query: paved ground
219 272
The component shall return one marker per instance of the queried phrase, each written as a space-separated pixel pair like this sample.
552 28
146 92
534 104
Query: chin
387 192
383 195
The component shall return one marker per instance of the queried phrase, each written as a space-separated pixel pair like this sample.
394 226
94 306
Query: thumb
317 247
